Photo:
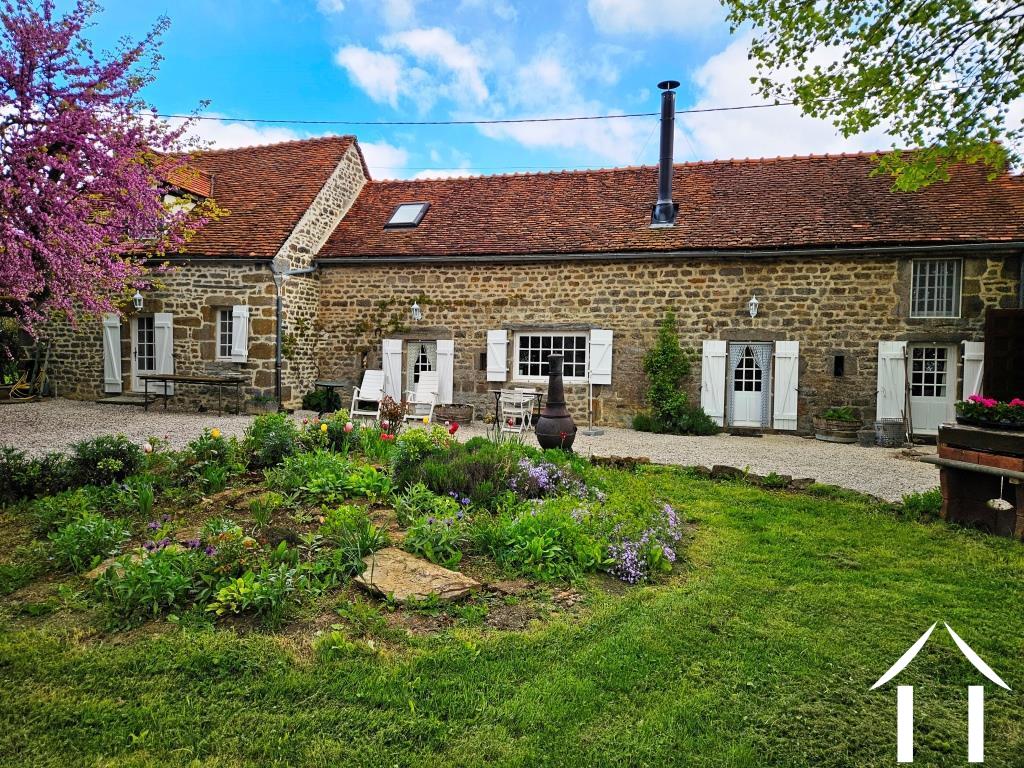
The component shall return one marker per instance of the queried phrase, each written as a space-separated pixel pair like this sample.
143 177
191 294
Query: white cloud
223 134
330 6
386 161
724 80
380 75
439 47
443 173
398 14
503 10
655 17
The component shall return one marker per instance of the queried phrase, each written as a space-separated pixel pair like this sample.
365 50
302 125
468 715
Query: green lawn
759 652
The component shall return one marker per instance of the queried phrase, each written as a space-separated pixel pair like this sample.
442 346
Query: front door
932 386
420 356
143 350
749 384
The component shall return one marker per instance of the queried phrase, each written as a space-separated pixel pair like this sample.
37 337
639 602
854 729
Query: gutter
527 258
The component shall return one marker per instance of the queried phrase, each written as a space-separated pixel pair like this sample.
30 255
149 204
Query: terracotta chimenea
555 427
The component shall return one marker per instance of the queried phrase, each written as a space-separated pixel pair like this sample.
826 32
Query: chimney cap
668 85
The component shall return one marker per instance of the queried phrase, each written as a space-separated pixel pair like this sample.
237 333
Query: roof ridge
276 144
620 168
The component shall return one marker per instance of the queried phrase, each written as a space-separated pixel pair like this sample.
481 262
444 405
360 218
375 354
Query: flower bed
989 412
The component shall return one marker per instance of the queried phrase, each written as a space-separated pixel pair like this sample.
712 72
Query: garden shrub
104 460
211 460
85 541
419 500
25 478
544 540
315 473
478 469
412 447
321 401
270 439
666 365
439 539
342 433
230 550
369 482
161 580
376 444
925 505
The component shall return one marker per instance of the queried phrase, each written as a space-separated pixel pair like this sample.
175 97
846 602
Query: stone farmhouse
864 296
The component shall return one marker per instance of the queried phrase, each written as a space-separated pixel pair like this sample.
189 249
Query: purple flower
669 553
149 546
166 518
459 515
466 501
210 551
153 525
193 543
430 520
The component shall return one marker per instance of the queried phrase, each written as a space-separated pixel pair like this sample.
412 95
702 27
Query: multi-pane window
747 376
929 367
533 349
935 290
225 332
145 347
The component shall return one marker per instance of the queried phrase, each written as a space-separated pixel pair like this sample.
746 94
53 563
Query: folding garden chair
420 401
366 398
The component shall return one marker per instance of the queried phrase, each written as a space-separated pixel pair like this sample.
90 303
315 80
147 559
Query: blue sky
467 59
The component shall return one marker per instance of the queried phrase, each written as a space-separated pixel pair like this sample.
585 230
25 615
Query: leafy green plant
230 550
376 444
839 413
214 478
319 474
268 593
774 480
25 478
413 446
925 505
270 439
164 579
369 482
263 507
104 460
440 540
82 543
419 500
351 534
52 512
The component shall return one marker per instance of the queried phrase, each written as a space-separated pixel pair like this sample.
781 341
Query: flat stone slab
405 577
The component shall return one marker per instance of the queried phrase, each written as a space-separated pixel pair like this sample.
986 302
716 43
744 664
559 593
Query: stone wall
830 305
196 289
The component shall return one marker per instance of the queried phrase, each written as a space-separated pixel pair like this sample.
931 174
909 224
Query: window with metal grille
145 344
935 288
533 349
928 371
225 332
747 376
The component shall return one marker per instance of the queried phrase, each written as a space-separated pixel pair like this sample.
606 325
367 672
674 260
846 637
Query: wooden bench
220 382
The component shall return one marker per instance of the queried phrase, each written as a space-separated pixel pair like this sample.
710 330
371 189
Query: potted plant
988 412
837 424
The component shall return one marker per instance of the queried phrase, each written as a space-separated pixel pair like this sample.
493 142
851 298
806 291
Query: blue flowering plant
439 539
639 557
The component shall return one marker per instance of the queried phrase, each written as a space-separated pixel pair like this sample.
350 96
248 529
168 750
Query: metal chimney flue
665 210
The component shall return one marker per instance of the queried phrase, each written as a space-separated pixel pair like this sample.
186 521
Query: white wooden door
749 390
143 351
932 386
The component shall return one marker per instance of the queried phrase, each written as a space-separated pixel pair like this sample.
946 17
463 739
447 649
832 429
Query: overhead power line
573 118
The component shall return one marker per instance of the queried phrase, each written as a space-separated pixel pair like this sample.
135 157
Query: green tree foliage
939 75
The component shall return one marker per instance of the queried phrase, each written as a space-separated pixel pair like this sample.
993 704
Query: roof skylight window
407 215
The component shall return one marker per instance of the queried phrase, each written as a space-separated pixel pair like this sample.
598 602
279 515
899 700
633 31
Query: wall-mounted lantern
137 301
415 312
752 305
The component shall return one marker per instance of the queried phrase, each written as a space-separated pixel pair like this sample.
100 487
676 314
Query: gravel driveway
54 424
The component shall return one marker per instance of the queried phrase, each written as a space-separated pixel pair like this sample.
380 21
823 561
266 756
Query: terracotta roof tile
265 189
816 201
191 179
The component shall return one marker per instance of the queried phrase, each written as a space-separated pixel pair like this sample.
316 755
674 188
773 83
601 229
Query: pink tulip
349 426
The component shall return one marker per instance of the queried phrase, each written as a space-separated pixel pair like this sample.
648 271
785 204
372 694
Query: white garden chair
516 408
420 401
366 397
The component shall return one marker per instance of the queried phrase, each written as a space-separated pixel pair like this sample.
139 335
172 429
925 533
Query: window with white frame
225 333
533 349
935 288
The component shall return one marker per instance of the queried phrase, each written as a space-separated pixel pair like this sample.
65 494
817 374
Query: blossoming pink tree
82 159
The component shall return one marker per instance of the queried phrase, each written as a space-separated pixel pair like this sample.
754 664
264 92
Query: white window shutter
974 367
787 379
112 353
163 348
239 333
391 359
445 370
600 356
892 379
497 355
712 380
